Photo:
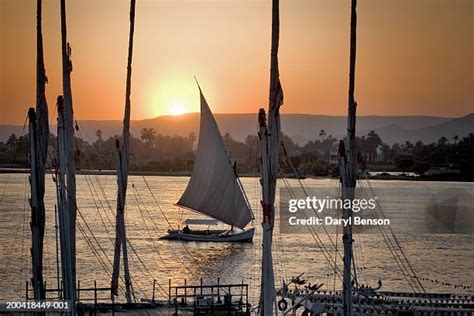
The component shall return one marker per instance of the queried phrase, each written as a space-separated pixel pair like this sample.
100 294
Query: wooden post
176 299
56 227
176 302
153 294
212 300
78 291
113 305
246 298
185 290
95 297
169 291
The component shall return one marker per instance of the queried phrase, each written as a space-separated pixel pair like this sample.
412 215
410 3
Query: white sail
213 188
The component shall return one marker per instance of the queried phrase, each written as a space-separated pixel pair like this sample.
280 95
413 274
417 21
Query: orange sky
414 56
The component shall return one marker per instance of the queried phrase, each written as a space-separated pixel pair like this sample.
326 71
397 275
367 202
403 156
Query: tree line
156 152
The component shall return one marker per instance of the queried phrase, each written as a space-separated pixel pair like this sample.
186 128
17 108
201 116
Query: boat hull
211 236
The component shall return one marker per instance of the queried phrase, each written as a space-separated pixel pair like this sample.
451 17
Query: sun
177 108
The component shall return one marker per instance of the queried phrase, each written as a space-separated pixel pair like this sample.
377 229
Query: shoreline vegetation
164 155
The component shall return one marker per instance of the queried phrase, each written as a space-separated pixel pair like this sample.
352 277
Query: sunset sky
414 56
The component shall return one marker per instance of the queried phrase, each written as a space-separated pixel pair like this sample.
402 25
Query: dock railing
206 299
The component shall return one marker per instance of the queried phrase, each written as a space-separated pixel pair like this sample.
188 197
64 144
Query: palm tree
192 139
322 133
373 141
408 146
442 141
148 135
99 134
456 139
385 149
12 142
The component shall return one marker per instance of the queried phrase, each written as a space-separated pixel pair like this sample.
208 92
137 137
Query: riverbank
382 176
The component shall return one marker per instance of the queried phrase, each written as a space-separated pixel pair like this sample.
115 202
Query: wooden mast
67 177
37 216
348 153
63 214
38 144
270 146
123 159
41 104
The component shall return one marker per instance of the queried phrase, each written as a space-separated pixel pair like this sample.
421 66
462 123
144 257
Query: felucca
214 190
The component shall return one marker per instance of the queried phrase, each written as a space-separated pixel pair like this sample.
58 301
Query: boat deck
386 302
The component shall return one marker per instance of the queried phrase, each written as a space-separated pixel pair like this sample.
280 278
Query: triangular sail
213 188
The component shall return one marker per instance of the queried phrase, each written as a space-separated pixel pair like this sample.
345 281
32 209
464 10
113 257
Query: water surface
445 254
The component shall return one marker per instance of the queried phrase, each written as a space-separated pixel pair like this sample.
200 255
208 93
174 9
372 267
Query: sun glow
175 95
177 108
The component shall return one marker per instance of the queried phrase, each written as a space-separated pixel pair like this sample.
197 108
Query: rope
136 196
317 238
417 286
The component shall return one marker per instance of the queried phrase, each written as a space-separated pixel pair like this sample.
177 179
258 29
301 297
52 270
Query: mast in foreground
38 148
123 159
41 104
37 212
63 214
66 175
270 145
349 167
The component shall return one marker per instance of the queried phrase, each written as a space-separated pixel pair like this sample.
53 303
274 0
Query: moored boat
212 235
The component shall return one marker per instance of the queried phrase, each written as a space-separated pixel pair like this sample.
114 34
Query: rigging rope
407 268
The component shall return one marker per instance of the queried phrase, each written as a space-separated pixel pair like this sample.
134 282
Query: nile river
433 222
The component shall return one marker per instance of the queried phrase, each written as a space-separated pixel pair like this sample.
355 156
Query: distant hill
300 127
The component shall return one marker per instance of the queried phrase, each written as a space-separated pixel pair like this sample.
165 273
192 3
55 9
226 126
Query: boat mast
38 139
63 214
37 213
123 159
270 145
348 168
41 104
67 177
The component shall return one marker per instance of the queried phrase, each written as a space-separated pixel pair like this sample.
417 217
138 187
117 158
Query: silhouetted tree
99 134
322 133
12 142
192 138
148 135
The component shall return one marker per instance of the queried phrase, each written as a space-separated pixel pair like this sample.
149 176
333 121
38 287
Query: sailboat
214 189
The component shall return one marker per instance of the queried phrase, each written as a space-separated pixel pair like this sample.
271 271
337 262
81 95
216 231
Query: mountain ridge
301 127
